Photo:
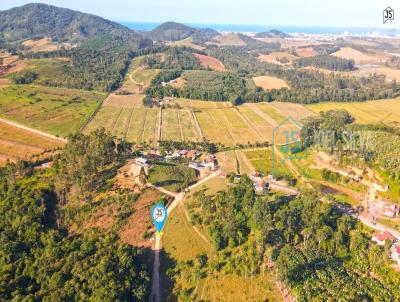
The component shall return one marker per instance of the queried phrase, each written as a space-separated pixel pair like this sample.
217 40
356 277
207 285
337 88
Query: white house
141 161
391 211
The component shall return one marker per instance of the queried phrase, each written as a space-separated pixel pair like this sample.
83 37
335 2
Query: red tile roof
384 236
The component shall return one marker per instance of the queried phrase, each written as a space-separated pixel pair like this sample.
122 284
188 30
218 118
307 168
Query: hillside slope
172 31
40 20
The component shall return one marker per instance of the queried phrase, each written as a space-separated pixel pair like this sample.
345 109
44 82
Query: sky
349 13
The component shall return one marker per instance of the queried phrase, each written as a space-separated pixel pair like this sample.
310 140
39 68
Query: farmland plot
17 143
386 111
212 129
171 129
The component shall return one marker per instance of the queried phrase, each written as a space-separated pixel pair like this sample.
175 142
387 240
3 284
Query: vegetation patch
173 177
59 111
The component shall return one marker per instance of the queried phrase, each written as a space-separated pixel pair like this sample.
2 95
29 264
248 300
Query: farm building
381 237
261 186
210 162
391 211
196 166
141 161
192 154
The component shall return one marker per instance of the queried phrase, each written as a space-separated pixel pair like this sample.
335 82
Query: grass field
295 111
178 125
262 161
269 82
134 124
305 52
173 177
59 111
386 111
197 104
226 126
16 143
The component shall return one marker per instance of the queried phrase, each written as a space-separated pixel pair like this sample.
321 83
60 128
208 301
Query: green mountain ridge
35 20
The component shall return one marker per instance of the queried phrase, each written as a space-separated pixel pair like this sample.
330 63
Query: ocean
146 26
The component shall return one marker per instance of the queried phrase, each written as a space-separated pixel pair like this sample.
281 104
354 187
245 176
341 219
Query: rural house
391 211
381 237
195 166
210 162
141 161
261 186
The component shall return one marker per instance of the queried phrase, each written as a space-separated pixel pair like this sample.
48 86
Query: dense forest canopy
39 260
318 251
325 61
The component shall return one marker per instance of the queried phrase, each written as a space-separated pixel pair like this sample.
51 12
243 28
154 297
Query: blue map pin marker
159 216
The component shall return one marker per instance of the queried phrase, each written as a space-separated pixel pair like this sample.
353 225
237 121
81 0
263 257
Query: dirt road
155 295
33 130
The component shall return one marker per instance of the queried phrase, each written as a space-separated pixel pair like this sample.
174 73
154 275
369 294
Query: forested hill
172 31
40 20
272 34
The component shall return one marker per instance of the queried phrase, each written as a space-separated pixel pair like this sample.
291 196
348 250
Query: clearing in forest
306 52
210 62
269 82
353 54
275 57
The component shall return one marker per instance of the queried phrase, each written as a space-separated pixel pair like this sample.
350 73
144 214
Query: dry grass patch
230 39
130 100
306 52
269 82
274 56
210 62
139 222
352 54
188 42
295 111
178 83
198 104
44 44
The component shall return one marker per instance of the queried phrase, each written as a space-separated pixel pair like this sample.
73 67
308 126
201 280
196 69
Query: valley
275 154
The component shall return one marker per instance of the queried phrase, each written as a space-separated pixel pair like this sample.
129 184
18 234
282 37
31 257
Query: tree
142 177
